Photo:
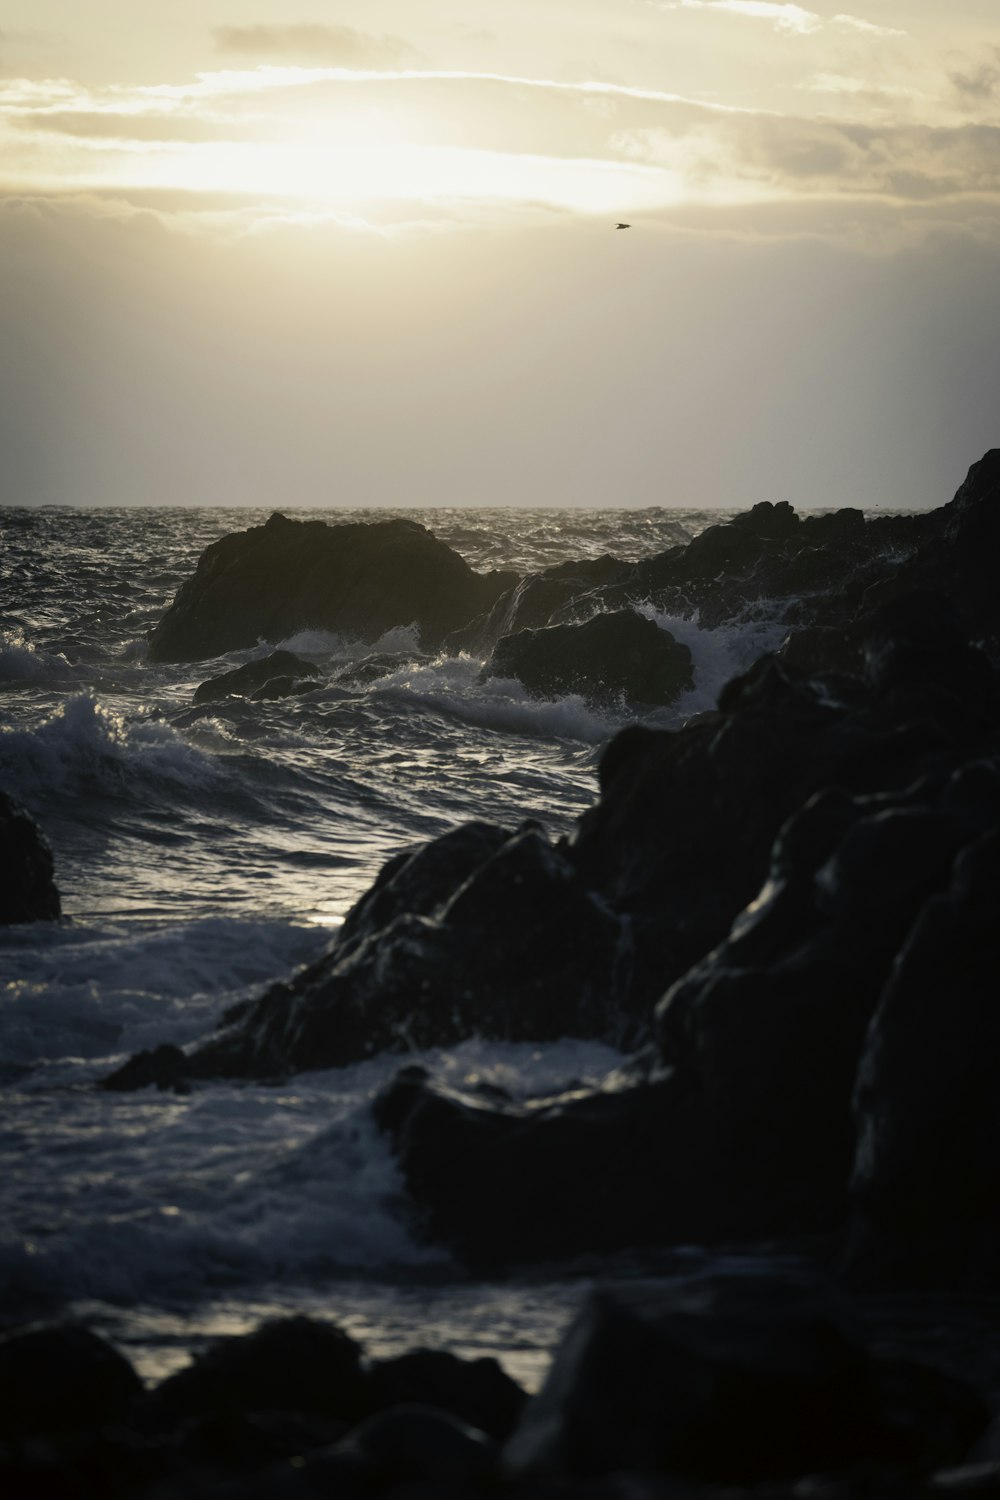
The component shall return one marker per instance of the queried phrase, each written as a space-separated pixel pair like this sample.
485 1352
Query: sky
364 253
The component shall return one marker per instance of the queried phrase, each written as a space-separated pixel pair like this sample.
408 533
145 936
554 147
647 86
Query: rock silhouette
271 581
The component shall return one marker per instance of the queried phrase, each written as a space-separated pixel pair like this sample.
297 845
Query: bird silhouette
623 226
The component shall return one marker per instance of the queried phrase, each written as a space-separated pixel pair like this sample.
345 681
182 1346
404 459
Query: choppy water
202 852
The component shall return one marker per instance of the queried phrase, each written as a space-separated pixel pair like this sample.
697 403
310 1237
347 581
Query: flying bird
623 226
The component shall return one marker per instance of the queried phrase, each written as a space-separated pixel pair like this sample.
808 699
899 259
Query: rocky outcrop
542 599
790 898
506 935
618 657
27 888
277 674
738 1380
271 581
752 1386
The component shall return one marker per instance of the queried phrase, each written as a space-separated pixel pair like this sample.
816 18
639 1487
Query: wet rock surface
28 891
619 656
271 581
256 677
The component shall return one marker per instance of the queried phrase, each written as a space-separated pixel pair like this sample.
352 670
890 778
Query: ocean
204 851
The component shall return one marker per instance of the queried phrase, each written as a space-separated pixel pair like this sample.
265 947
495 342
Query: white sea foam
718 654
21 661
86 746
233 1185
452 686
74 992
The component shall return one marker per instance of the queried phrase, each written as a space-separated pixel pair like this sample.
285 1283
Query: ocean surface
202 852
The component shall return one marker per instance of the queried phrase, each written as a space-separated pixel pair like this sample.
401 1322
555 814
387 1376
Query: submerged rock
27 886
612 657
255 677
271 581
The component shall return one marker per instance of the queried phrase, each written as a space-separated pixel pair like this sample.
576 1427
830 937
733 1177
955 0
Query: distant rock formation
27 888
615 657
271 581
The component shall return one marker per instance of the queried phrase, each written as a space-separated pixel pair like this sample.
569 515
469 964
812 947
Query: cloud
783 155
782 15
980 84
341 46
869 28
127 125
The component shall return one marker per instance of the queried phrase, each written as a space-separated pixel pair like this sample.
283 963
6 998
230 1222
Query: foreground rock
743 1385
735 1381
272 581
869 940
617 657
27 888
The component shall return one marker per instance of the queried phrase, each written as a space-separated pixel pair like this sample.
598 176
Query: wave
22 661
234 1187
89 993
718 654
86 747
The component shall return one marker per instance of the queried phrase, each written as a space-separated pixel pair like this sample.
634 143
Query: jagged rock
734 1381
538 600
271 581
928 1115
27 888
619 656
451 942
248 680
748 1122
60 1378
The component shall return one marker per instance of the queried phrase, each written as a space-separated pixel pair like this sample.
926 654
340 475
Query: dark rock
928 1155
477 1391
27 888
381 664
539 600
61 1378
748 1127
419 1442
589 1171
287 1365
248 680
242 1442
612 657
471 951
731 1381
164 1067
270 581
